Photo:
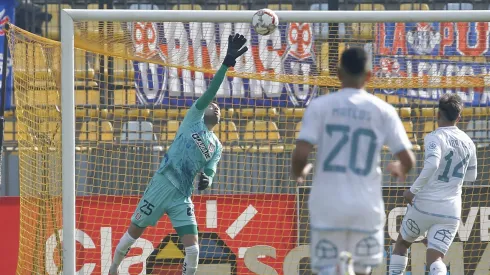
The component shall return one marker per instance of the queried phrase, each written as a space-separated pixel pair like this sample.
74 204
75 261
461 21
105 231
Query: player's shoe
345 265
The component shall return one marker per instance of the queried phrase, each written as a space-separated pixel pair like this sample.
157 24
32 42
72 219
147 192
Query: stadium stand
247 124
123 73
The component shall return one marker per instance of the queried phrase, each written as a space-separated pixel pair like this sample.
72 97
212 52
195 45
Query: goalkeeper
195 148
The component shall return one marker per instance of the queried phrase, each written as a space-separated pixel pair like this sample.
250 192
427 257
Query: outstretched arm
208 96
235 49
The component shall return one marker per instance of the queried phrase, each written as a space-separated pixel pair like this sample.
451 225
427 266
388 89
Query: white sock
191 260
122 249
438 268
398 264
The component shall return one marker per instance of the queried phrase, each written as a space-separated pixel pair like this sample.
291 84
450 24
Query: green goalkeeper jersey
195 148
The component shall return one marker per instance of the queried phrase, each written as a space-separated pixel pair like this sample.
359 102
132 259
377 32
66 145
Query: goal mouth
97 112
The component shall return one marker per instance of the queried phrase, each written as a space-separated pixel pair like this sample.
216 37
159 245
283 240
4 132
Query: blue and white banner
287 50
7 13
434 50
408 50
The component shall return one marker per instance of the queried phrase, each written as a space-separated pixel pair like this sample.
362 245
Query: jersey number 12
354 139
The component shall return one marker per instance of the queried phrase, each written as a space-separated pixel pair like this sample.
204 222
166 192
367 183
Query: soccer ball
265 21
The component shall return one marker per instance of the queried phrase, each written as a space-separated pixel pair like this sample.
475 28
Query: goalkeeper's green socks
122 249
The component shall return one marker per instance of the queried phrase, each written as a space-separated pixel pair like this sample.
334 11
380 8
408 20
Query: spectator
30 17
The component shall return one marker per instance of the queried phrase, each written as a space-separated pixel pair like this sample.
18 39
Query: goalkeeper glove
235 49
204 182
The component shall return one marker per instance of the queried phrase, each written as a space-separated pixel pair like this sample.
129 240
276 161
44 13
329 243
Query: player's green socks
122 249
398 264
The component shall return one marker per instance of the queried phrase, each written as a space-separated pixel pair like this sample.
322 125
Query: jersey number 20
353 138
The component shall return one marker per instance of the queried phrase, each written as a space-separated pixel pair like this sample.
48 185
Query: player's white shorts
440 230
326 245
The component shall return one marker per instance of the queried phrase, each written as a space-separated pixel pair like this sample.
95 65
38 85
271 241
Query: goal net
134 82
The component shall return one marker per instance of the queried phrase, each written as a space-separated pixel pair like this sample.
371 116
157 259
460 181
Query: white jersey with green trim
350 128
454 154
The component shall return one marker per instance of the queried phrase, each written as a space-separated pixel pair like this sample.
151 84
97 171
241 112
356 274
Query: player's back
354 125
455 151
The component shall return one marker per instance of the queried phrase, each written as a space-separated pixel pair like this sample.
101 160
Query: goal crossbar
284 16
69 16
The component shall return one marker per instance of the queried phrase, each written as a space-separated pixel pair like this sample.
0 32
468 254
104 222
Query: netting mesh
134 83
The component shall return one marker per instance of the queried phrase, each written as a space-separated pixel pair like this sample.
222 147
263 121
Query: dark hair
450 106
354 60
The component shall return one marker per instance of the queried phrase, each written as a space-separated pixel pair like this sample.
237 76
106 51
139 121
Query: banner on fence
7 14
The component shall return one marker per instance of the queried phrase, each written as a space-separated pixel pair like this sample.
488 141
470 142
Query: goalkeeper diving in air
195 148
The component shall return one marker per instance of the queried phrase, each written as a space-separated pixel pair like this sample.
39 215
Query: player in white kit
435 197
346 206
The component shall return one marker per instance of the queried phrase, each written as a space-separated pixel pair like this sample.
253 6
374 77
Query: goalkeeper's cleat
345 264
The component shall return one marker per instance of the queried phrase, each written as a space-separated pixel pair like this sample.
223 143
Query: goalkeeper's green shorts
162 197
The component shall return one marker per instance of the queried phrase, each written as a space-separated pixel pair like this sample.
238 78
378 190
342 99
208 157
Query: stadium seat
130 113
84 72
125 97
9 114
481 111
170 130
51 130
187 7
51 29
122 69
228 113
140 6
321 29
429 126
392 99
478 130
10 132
137 131
176 113
323 59
82 113
159 114
414 6
474 112
280 7
405 112
293 112
408 125
261 130
87 97
40 97
228 132
426 112
91 130
230 7
458 6
257 112
94 28
138 113
31 65
297 129
365 30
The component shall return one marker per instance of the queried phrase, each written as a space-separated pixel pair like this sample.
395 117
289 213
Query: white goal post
69 16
